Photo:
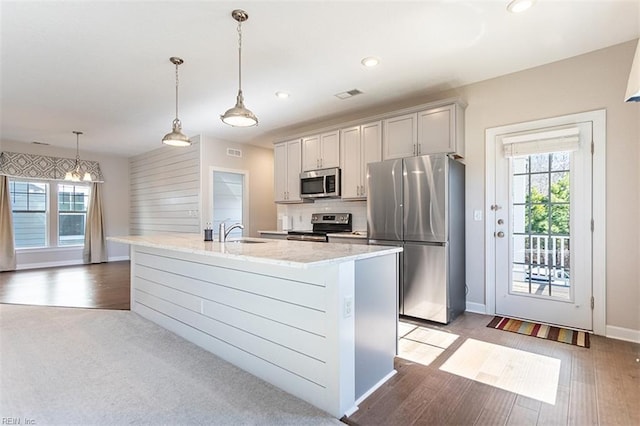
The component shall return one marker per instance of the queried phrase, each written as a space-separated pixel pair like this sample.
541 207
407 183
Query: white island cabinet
317 320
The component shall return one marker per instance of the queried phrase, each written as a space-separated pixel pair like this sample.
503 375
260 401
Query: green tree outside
538 220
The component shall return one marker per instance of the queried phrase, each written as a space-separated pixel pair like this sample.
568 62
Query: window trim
52 215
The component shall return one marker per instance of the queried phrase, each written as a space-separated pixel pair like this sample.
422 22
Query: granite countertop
297 254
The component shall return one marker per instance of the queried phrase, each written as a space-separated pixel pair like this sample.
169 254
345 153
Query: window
29 201
72 214
48 214
541 218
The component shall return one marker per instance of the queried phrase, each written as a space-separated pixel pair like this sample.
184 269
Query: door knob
500 221
499 234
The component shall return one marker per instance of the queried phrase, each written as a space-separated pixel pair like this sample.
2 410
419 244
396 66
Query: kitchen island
318 320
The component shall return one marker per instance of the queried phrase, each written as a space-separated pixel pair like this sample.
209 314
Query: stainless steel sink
245 241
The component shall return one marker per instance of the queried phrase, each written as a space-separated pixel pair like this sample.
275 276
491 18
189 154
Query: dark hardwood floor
102 285
597 386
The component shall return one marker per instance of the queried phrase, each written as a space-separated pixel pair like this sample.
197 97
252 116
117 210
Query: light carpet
525 373
92 367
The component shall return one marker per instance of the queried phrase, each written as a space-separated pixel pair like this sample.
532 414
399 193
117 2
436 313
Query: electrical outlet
348 306
477 215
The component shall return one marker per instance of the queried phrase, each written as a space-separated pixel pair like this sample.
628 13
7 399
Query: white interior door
542 220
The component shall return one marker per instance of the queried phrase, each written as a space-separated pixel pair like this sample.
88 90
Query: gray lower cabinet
347 240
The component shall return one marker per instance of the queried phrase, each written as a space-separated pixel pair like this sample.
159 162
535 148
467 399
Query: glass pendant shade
75 175
239 116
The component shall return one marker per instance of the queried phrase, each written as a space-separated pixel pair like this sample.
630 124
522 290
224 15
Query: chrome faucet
223 233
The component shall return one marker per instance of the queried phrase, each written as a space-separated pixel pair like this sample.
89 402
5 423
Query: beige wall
258 162
593 81
115 198
596 80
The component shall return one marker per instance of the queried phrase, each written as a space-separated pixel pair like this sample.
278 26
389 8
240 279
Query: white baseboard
48 264
477 308
621 333
72 262
369 392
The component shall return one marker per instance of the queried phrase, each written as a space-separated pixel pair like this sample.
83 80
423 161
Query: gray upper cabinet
438 130
400 137
359 146
441 130
286 173
321 151
433 128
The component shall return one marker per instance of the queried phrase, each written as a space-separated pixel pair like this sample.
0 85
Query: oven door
307 236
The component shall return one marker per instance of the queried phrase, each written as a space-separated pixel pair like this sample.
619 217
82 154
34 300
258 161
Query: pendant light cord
77 167
240 56
177 82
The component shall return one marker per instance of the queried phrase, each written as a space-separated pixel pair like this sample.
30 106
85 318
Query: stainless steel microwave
323 183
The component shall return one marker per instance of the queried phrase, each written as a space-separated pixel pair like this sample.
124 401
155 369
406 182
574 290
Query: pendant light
239 116
74 175
633 86
176 137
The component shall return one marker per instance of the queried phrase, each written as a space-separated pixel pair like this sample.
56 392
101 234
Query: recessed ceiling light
282 95
517 6
370 61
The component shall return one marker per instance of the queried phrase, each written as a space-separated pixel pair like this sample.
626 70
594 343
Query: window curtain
19 165
95 245
7 245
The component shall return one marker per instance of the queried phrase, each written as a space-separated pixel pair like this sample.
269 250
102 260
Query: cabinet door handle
418 145
415 151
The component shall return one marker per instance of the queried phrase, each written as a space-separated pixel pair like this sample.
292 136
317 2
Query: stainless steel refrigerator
418 203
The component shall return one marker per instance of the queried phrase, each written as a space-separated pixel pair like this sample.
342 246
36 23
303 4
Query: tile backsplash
300 214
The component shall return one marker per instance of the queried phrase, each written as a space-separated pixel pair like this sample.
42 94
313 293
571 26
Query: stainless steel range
323 224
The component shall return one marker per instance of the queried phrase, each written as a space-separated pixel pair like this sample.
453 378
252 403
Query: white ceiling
103 67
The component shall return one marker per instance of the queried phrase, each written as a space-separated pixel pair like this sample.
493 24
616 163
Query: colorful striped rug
564 335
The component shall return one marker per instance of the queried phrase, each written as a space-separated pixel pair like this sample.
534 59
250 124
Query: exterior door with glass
543 225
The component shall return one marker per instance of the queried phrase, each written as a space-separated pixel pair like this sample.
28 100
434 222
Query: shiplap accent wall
165 191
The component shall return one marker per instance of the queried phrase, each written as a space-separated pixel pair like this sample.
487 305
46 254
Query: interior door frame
598 256
208 217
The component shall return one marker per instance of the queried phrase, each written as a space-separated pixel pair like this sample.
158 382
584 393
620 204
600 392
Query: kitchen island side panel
288 326
376 324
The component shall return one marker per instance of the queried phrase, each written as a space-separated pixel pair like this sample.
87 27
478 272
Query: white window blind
566 139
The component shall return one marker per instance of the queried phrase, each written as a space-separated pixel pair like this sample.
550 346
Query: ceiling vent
231 152
348 94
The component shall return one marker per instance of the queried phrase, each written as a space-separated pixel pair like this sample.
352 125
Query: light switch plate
477 215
